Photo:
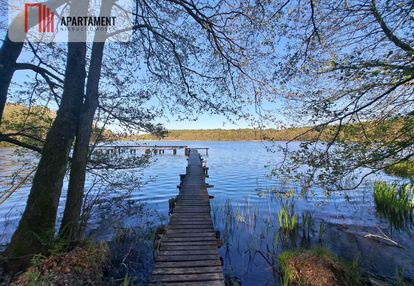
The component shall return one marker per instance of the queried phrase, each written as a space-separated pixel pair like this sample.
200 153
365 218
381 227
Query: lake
245 210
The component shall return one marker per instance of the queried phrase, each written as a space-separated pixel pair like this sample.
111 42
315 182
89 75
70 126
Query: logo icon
45 20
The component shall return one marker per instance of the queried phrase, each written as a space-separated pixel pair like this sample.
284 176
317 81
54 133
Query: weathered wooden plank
194 270
189 224
172 258
188 252
190 243
193 283
197 208
192 197
190 227
189 239
177 221
203 211
193 200
192 204
197 217
193 216
198 211
195 229
197 263
200 208
206 231
190 235
188 277
164 247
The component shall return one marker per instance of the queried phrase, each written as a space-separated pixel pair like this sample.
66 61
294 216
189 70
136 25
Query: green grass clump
287 219
394 202
403 169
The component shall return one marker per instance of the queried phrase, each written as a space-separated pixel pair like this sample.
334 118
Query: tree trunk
71 218
38 221
10 51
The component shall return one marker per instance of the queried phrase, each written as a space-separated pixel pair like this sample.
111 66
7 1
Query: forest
227 135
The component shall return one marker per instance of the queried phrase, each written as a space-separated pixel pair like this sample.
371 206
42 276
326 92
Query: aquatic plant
307 223
229 218
396 203
321 230
287 219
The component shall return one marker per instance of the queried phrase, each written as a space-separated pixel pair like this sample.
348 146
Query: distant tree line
349 133
231 135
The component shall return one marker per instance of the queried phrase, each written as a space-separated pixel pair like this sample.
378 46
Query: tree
71 216
166 54
10 51
348 71
193 57
39 218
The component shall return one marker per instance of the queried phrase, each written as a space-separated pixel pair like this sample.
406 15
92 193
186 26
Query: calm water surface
245 207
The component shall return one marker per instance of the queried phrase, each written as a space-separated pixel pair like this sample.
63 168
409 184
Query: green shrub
403 169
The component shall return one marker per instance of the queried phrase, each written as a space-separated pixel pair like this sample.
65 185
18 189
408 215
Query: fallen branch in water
383 237
10 191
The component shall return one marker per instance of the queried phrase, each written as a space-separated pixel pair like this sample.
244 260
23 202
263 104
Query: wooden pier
155 149
187 253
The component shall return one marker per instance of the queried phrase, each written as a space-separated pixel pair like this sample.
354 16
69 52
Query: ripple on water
238 174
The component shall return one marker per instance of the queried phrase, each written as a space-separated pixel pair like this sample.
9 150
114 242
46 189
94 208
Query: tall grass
307 223
288 220
394 202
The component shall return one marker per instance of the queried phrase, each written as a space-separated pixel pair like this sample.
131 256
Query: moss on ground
83 265
317 267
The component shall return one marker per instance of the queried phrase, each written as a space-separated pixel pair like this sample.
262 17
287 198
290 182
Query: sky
204 120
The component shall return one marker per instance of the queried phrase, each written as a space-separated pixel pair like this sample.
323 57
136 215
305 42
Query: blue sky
204 121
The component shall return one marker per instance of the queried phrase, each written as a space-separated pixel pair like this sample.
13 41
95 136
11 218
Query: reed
287 219
396 203
307 224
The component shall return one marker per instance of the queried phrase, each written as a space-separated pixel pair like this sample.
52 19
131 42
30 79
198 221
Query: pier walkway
187 252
